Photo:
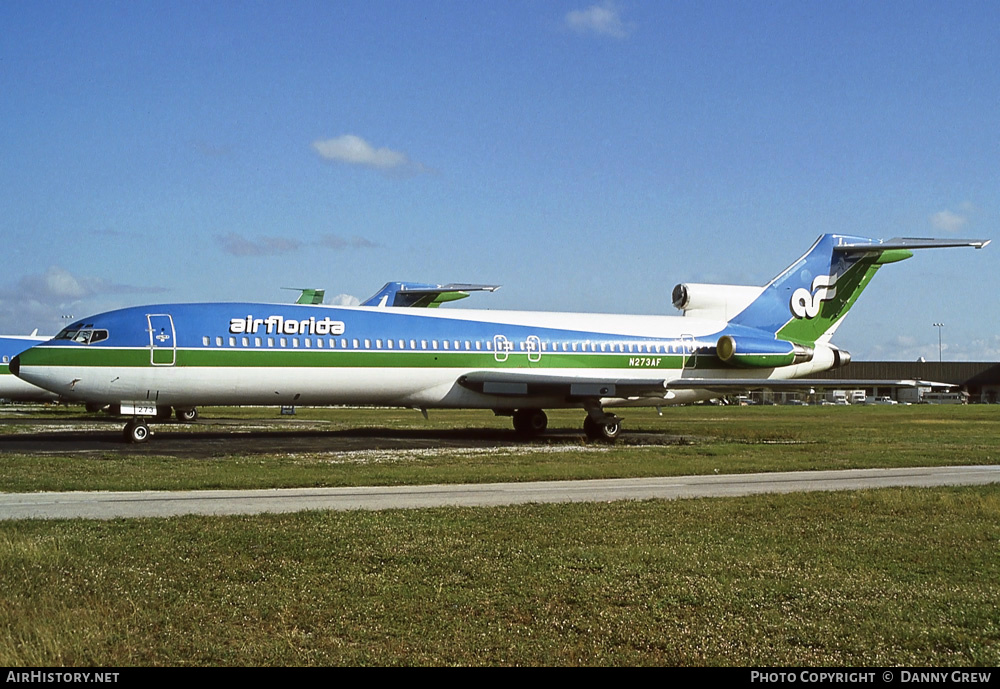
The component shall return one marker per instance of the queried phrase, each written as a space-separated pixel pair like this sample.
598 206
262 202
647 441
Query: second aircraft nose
15 365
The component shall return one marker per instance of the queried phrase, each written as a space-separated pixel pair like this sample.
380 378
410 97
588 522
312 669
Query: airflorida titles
277 325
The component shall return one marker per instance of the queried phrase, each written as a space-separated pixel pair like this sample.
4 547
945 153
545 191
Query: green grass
702 440
887 577
864 578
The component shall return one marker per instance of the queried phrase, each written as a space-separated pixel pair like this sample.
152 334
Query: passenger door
162 339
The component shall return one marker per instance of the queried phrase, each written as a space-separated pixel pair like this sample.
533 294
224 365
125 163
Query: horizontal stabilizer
419 295
308 295
908 243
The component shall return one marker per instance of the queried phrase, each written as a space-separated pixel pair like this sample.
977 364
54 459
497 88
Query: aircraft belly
260 385
203 385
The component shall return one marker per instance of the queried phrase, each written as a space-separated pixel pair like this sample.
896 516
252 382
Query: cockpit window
83 336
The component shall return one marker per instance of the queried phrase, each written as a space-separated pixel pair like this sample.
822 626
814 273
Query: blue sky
585 155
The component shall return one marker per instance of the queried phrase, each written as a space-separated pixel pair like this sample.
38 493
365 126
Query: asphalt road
109 505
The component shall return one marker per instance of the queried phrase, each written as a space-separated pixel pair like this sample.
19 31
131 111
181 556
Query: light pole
940 355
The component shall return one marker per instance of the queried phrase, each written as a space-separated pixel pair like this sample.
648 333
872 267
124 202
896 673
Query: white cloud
238 245
43 300
343 300
337 243
603 19
947 221
353 150
908 348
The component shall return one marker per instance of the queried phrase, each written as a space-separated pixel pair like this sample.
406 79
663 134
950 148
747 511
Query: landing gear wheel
602 430
530 421
136 432
187 415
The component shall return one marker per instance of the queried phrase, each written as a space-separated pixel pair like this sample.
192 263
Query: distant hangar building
979 379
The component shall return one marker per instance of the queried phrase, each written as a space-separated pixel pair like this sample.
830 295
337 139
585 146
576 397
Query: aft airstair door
688 348
162 339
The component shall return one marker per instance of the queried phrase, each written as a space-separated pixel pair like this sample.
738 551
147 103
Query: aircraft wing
420 295
517 384
522 384
793 384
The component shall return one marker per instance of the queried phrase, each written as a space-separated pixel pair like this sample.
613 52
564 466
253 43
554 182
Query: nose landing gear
136 431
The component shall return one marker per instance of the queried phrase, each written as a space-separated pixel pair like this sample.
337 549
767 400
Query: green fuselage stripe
262 358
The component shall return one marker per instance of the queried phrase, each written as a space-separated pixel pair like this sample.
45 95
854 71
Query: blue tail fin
808 300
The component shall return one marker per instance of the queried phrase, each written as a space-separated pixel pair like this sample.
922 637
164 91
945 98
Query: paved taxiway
225 437
108 505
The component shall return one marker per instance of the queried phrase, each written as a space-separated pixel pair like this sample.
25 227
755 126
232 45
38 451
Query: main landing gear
598 424
530 421
186 415
607 429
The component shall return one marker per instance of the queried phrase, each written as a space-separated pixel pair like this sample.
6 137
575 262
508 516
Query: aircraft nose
15 365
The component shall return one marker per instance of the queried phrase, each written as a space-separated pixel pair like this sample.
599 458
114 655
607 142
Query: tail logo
806 304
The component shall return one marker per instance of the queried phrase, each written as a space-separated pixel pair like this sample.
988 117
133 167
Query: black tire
136 432
530 421
597 430
610 431
187 415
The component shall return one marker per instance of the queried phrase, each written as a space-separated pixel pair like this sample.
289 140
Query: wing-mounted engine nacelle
750 352
718 302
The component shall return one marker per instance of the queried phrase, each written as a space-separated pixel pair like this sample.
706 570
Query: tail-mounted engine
717 302
749 352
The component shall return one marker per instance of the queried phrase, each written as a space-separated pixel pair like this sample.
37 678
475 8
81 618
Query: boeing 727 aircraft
730 338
